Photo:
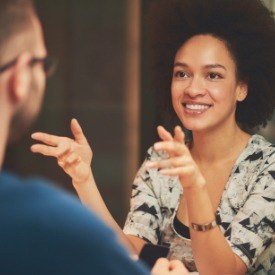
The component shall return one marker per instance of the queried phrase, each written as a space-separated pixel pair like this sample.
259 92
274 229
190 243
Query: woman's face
204 85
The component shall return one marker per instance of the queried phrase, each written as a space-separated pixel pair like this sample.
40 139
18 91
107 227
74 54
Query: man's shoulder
49 231
40 202
11 181
28 190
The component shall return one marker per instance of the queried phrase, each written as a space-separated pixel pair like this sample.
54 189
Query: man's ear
242 91
20 78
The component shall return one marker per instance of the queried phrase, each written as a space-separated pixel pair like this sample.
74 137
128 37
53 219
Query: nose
195 87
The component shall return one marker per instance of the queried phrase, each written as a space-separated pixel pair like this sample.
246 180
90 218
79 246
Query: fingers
46 138
164 134
45 150
52 151
166 163
63 154
53 145
55 140
171 147
68 159
173 171
179 135
77 132
173 167
171 141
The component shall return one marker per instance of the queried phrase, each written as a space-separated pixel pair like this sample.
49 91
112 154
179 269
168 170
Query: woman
211 199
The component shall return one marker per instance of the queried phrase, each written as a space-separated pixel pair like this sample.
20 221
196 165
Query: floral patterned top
246 210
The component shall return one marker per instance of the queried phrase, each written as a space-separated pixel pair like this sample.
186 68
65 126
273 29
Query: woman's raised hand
180 162
73 155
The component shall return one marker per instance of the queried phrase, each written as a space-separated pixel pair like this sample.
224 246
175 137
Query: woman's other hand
180 162
73 155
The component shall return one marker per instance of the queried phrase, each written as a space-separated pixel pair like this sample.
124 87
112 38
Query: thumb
77 132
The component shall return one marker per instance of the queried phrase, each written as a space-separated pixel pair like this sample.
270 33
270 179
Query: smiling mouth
196 108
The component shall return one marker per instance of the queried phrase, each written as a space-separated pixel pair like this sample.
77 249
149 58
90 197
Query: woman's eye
214 76
180 74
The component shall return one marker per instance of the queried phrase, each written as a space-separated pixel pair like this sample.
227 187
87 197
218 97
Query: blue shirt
45 231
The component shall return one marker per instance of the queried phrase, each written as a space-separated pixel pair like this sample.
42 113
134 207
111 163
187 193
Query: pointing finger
164 134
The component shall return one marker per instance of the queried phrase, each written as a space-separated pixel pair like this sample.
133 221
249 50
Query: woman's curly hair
247 28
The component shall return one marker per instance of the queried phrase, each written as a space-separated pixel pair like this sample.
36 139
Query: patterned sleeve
252 230
144 218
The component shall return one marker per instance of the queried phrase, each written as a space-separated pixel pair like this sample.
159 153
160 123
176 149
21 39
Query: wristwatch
204 227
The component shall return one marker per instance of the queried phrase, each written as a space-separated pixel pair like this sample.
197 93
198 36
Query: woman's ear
242 91
20 78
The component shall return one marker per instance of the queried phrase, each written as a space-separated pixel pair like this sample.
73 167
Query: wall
89 38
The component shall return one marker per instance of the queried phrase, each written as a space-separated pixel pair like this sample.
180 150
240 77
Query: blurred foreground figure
43 230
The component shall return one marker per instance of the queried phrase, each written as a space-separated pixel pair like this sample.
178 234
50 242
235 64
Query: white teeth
197 106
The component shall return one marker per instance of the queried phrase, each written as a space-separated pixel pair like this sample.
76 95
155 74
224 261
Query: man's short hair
14 18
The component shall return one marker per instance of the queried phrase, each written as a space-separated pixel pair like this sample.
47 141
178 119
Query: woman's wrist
199 184
83 183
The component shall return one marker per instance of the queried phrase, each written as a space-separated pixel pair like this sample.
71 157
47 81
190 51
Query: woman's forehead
204 50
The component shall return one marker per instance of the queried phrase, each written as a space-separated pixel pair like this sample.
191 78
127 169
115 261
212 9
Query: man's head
22 80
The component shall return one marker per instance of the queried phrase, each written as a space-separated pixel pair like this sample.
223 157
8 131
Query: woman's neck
217 146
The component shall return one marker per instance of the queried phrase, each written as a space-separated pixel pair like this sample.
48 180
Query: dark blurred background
102 79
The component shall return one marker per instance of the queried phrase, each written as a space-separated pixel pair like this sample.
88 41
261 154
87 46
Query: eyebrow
210 66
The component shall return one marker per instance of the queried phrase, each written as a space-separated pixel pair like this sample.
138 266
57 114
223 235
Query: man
44 231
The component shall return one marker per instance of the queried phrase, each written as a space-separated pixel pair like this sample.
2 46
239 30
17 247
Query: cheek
176 95
176 91
225 93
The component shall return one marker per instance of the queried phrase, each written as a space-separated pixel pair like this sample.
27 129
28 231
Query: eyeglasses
47 63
